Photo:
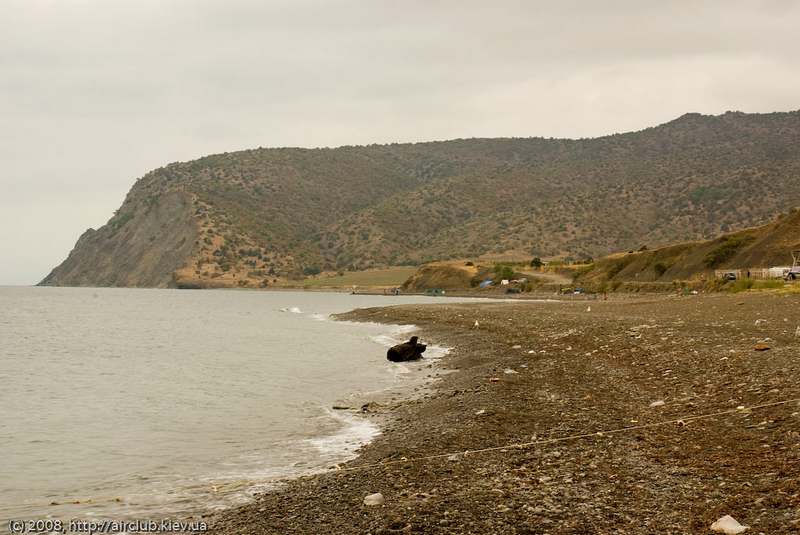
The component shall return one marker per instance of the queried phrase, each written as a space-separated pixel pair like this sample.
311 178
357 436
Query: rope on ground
523 445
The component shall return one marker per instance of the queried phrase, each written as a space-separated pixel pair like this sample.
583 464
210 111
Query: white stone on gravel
728 525
374 499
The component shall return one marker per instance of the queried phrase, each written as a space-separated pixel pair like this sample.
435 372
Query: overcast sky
94 93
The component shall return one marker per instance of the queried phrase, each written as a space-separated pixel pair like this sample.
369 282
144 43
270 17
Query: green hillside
266 214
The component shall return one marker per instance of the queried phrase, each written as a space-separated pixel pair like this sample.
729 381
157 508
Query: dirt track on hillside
580 368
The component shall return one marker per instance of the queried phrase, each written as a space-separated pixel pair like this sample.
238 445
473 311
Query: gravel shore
530 372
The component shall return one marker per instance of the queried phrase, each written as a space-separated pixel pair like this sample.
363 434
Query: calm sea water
146 403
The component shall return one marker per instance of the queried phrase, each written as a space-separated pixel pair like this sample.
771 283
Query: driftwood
407 351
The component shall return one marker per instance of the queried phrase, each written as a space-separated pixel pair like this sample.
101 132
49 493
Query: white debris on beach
374 499
728 525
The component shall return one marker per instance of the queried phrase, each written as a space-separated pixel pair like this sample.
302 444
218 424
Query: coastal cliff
141 246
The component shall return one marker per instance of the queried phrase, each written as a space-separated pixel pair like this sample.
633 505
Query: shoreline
373 407
322 436
577 370
361 416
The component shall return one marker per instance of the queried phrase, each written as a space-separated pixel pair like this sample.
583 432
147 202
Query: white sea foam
397 369
435 352
342 445
385 340
403 329
396 335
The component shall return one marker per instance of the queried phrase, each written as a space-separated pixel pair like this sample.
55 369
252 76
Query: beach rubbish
509 371
482 411
374 499
657 403
516 346
760 322
476 325
340 408
728 525
588 309
761 346
494 379
371 406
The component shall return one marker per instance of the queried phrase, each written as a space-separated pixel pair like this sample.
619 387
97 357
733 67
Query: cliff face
249 218
142 246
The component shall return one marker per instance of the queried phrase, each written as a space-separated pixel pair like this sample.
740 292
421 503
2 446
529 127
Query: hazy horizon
94 95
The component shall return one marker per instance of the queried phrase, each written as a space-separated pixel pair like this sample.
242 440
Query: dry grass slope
765 246
441 275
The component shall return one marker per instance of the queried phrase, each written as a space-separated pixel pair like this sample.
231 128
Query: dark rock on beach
408 351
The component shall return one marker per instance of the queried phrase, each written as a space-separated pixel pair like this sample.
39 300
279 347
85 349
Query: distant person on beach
407 351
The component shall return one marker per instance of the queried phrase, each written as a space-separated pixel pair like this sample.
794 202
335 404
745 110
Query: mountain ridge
259 215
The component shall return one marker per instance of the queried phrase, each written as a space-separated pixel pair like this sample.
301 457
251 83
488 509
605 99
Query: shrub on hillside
503 271
727 249
616 268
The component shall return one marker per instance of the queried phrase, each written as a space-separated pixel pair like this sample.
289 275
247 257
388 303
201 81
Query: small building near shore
755 273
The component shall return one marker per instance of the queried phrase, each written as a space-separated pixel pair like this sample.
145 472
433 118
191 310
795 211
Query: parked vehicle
794 273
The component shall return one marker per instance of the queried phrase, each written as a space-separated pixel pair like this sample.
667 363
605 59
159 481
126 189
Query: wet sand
580 368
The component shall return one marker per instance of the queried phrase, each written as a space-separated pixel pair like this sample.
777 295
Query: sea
136 403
